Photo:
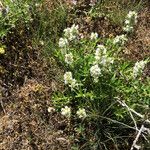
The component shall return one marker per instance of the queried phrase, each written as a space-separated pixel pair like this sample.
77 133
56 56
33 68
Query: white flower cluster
101 56
69 35
120 39
66 111
69 80
72 32
101 50
131 19
69 58
63 42
95 72
51 109
132 14
94 36
106 61
138 68
81 113
101 59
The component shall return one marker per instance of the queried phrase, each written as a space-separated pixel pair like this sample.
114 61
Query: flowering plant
96 78
130 21
91 65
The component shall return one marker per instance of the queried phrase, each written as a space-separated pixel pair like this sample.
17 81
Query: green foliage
12 14
96 80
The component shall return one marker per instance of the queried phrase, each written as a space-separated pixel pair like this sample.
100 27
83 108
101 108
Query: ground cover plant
97 81
68 79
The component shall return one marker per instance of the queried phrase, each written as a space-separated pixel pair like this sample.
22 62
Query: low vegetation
69 78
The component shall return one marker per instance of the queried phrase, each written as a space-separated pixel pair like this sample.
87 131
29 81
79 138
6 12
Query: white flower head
132 14
120 39
67 32
128 28
51 109
74 29
72 32
101 50
63 42
73 84
67 77
95 72
94 36
69 58
81 113
127 21
69 80
66 111
138 68
131 19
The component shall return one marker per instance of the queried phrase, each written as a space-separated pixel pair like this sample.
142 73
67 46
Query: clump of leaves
98 85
